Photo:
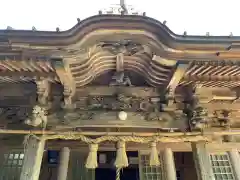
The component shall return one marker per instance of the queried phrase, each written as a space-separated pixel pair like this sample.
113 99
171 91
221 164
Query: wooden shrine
119 75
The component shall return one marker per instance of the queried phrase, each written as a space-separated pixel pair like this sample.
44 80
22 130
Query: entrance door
105 173
185 167
130 173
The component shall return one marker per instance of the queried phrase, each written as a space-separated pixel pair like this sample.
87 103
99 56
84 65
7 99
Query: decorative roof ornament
122 9
34 28
9 28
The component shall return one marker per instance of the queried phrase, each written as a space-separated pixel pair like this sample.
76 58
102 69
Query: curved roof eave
166 36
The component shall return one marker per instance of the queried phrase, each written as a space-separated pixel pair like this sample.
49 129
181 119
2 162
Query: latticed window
148 172
11 165
222 168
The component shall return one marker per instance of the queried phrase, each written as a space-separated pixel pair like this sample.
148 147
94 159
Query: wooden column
202 161
235 161
32 159
63 165
169 164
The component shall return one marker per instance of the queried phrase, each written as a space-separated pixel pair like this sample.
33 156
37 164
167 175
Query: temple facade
119 97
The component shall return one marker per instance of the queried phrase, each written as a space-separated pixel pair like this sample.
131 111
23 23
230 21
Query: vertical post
63 165
169 164
235 161
32 159
202 161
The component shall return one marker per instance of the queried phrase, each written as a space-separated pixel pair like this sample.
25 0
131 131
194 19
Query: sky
218 17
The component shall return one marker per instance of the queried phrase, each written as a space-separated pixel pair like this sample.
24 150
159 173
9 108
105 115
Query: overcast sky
219 17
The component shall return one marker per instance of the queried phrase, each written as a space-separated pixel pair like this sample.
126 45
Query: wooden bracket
177 76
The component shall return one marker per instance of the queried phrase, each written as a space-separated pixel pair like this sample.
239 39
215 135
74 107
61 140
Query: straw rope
118 173
121 158
136 139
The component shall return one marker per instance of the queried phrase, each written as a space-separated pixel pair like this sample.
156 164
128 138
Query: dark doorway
185 167
107 171
130 174
110 174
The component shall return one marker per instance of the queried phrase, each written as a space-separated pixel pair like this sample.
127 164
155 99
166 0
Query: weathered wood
202 161
200 69
95 133
165 120
112 90
33 159
169 164
63 164
235 162
177 76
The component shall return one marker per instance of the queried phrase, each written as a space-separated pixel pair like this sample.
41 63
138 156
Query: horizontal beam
27 74
213 131
108 146
142 91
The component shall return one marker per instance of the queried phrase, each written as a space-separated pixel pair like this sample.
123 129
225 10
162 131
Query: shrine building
119 97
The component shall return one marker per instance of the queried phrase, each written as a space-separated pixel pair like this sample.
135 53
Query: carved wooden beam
164 61
112 90
67 82
61 72
222 105
17 74
177 76
206 95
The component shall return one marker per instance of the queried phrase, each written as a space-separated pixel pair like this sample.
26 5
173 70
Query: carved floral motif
120 102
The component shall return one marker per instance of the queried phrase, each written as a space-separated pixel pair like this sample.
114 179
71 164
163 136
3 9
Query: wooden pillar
235 161
202 161
32 159
169 164
63 165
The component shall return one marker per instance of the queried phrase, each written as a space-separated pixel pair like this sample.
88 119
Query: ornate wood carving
13 115
83 59
165 120
119 102
43 91
199 118
125 47
119 79
222 118
68 94
38 117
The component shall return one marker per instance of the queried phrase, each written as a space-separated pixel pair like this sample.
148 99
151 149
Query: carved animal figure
38 117
120 80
